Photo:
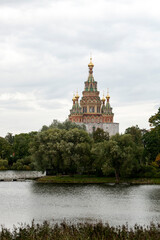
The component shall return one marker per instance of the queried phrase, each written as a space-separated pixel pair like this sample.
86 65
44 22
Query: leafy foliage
3 164
152 144
99 153
157 161
21 144
155 119
136 134
121 155
5 149
66 125
61 150
10 138
100 135
23 164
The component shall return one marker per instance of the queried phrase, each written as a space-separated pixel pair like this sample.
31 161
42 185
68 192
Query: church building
92 111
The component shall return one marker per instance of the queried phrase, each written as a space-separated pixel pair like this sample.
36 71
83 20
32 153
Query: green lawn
92 179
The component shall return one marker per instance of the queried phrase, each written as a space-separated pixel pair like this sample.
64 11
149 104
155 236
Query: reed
80 231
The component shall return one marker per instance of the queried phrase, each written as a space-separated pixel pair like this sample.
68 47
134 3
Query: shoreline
97 180
80 179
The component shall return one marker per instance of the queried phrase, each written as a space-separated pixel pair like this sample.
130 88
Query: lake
21 202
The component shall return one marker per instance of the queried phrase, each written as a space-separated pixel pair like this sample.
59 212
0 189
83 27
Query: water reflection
23 201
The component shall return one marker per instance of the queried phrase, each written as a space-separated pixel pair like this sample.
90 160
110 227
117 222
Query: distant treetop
67 125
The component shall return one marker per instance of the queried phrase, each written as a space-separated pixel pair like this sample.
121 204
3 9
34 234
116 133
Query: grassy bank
89 179
80 232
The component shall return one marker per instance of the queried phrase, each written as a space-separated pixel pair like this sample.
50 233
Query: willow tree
64 151
121 156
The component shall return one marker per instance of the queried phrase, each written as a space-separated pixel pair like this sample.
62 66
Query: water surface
117 205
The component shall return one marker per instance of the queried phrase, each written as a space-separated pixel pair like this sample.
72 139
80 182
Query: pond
21 202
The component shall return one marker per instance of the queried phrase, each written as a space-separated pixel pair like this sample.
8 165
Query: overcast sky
45 48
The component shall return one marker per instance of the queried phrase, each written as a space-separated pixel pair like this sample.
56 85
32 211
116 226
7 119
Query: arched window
84 109
91 109
98 109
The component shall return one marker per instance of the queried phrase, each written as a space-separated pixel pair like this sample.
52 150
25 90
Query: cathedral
92 111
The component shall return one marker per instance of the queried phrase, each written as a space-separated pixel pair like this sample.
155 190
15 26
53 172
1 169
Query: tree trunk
117 176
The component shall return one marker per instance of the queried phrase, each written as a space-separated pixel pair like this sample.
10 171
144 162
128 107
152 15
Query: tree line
66 148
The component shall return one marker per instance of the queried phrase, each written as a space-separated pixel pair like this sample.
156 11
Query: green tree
151 144
66 125
80 150
61 150
98 154
21 144
3 164
99 135
23 164
9 138
121 152
44 128
47 149
5 149
136 134
155 119
151 138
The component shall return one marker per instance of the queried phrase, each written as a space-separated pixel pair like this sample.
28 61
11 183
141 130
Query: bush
148 171
23 164
3 164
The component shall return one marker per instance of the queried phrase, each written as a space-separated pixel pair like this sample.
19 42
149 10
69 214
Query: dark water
23 201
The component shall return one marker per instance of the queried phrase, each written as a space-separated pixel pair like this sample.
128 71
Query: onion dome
108 97
77 96
90 65
103 99
74 99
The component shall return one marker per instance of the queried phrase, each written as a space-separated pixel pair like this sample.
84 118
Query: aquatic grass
80 231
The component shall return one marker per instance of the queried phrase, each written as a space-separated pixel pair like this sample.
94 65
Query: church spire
90 65
77 96
74 99
108 97
103 99
90 84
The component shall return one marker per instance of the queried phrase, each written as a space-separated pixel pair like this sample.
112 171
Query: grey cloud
14 105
